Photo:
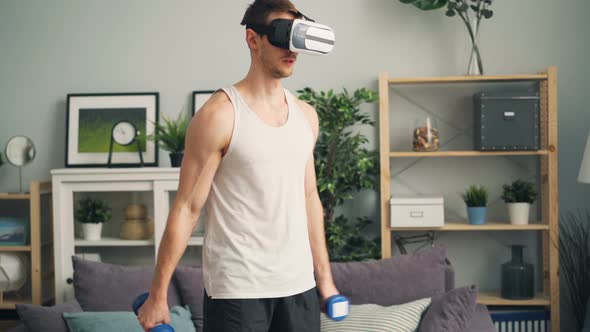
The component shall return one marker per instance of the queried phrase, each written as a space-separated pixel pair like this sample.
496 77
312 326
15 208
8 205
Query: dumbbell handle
139 301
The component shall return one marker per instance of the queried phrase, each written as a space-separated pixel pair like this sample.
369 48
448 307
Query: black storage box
506 121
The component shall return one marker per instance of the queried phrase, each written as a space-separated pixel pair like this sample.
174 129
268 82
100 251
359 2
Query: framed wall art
199 98
90 121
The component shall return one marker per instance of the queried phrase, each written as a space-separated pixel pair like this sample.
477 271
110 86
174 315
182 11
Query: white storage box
417 212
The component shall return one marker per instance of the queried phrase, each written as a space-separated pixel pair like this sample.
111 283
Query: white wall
51 48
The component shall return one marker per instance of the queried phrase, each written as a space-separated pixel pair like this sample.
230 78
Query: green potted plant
344 166
476 199
170 136
519 195
92 213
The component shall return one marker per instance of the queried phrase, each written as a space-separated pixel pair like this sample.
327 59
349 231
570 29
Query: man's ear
253 39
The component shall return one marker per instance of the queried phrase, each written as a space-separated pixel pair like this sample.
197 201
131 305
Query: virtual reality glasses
298 35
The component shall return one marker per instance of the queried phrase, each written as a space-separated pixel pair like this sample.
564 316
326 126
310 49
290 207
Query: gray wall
51 48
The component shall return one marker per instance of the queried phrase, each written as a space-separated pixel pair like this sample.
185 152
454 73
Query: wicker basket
133 229
135 211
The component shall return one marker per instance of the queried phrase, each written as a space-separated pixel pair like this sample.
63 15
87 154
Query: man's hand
326 290
153 313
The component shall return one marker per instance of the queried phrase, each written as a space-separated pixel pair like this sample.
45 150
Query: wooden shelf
411 154
113 242
15 248
14 196
490 298
467 79
548 261
488 226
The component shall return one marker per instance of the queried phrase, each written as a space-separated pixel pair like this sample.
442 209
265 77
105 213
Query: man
249 157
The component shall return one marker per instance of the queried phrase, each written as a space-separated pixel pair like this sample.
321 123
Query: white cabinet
153 187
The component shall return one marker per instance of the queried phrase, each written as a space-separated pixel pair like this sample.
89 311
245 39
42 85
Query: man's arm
315 217
207 137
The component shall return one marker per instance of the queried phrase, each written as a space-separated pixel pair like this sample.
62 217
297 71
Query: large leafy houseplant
344 166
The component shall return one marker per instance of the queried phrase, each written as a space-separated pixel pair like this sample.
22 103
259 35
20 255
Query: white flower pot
519 213
91 232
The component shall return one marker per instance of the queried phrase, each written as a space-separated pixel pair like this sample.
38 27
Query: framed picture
199 98
89 123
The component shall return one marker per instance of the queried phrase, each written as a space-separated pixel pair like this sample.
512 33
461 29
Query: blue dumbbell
139 301
337 307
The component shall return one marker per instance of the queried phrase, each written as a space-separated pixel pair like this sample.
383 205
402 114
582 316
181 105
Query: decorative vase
477 215
475 64
91 231
519 213
517 277
176 159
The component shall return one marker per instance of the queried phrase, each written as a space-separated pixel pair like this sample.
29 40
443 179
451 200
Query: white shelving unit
156 184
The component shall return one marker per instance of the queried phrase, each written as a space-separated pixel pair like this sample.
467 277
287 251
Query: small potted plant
519 195
476 199
170 136
92 213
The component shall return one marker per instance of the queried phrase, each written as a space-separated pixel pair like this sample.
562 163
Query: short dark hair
258 12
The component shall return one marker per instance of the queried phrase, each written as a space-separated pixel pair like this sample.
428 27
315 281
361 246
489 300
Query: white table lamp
584 175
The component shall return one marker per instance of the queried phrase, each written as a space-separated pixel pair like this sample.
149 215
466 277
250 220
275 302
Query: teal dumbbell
337 307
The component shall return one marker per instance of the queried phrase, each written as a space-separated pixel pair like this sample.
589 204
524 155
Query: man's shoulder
218 102
217 108
304 106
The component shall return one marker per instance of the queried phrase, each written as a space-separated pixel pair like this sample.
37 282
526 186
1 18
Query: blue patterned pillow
376 318
123 321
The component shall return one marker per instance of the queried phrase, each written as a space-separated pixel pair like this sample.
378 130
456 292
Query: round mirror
19 151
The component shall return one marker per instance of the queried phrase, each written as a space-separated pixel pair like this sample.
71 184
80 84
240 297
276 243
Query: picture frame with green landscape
89 122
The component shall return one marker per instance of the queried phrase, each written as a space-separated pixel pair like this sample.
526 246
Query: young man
249 157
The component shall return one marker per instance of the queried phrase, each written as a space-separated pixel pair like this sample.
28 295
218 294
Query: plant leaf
430 4
487 13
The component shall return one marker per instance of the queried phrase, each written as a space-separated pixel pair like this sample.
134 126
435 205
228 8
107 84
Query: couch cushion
481 321
19 328
189 282
108 287
376 318
123 321
49 319
450 312
396 280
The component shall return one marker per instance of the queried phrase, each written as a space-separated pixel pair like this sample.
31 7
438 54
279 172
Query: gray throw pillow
109 287
189 282
46 319
396 280
450 312
376 318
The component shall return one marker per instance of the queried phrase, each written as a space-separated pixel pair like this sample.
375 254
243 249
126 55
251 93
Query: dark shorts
296 313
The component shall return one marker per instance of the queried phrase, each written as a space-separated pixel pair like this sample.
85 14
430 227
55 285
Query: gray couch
106 287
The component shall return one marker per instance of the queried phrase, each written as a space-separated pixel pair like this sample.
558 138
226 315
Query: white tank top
256 241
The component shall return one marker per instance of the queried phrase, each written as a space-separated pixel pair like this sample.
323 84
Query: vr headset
298 35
